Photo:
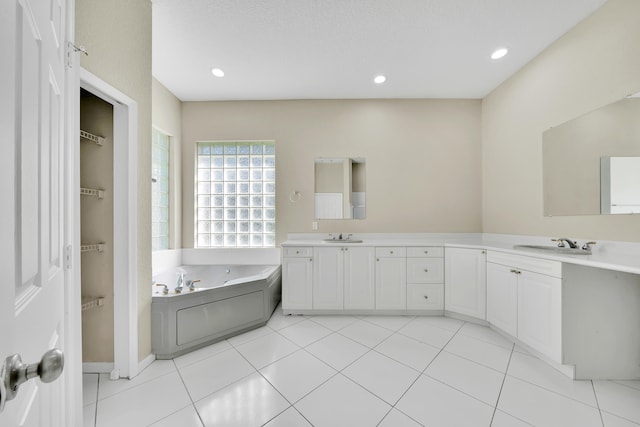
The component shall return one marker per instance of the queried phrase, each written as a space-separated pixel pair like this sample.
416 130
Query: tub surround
172 258
579 313
232 299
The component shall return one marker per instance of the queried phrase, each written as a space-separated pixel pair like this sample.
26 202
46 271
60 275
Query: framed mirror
339 188
591 164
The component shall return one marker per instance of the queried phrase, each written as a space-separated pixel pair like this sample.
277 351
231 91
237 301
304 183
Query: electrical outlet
314 225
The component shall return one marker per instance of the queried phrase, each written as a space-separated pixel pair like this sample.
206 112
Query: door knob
13 372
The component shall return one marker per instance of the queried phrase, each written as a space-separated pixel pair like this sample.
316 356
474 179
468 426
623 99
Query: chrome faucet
561 240
179 283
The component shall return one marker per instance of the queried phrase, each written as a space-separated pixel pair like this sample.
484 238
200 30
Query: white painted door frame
125 243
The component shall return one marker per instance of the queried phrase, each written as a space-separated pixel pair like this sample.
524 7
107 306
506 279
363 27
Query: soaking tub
227 300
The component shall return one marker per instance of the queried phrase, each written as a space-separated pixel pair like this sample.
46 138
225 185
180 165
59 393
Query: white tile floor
359 371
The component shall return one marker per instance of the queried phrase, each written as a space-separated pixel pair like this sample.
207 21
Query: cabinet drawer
391 252
425 270
535 265
295 252
425 251
425 297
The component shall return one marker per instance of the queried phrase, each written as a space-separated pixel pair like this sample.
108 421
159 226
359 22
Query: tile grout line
95 414
495 407
593 387
193 404
421 373
556 392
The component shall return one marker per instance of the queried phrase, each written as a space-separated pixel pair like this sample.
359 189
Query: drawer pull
297 252
426 297
426 252
426 270
515 271
391 251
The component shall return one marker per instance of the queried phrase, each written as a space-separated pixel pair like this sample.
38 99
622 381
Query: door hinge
68 251
71 50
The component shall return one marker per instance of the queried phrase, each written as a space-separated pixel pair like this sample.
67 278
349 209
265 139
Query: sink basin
342 241
554 249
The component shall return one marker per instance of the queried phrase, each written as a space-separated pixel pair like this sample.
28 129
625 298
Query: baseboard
97 367
144 363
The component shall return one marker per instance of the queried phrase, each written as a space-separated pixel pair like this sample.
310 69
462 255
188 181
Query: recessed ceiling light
217 72
499 53
379 79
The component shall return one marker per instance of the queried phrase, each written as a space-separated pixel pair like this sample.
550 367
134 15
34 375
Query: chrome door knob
14 372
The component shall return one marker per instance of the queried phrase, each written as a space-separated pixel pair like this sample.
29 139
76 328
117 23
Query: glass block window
159 190
235 194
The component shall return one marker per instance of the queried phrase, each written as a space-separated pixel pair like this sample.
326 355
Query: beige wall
167 117
594 64
117 35
423 168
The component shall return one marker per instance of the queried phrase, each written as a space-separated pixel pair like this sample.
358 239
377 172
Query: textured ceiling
319 49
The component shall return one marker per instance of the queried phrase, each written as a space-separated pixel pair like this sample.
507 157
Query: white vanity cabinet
502 297
297 269
391 278
524 299
343 278
359 278
425 278
465 282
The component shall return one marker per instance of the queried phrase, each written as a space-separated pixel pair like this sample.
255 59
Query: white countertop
611 255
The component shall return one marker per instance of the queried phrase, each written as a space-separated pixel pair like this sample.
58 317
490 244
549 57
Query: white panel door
359 278
32 292
391 283
328 278
465 282
502 297
296 283
540 313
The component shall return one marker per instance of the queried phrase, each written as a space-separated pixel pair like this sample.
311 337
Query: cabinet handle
297 252
426 297
515 271
426 270
378 259
310 259
391 251
426 252
484 252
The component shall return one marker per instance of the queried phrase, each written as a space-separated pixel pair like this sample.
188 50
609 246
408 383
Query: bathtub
228 300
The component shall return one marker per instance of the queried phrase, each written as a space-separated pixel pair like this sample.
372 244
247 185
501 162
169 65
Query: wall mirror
340 188
591 164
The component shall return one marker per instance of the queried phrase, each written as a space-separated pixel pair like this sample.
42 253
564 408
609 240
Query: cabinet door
328 278
391 283
539 313
359 283
502 297
465 282
296 283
